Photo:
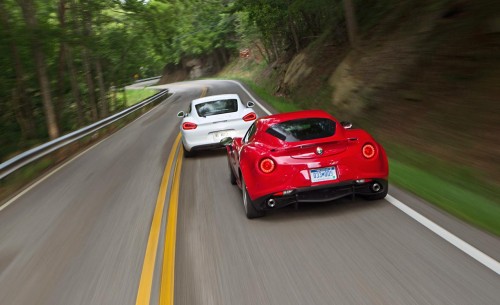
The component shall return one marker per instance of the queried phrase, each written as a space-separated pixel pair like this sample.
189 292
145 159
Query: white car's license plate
219 135
323 174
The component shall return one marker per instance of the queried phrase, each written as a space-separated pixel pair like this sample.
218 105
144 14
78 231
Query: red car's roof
283 117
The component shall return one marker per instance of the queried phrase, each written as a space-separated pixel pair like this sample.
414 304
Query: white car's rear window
216 107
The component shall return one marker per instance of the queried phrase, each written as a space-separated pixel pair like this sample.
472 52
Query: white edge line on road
446 235
479 256
250 95
62 166
47 176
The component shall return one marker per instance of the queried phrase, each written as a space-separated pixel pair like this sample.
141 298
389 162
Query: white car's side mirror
250 104
181 114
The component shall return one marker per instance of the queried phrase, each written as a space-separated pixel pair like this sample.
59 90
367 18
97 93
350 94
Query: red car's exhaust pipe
376 187
271 203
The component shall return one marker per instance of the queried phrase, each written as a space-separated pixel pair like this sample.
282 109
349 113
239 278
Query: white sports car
211 118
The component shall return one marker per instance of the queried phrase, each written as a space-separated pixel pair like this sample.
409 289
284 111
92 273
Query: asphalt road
79 236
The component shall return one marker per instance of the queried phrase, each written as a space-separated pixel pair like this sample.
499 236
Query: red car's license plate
323 174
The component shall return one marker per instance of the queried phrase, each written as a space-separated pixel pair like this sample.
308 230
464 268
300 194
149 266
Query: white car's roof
216 98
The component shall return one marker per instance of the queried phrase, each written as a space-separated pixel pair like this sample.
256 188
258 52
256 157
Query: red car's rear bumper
322 193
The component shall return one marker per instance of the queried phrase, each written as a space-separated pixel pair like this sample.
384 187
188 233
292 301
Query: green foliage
280 103
461 202
27 173
135 96
285 25
205 26
460 176
104 44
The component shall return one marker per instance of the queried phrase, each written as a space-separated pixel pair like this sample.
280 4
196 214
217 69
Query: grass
135 96
469 204
459 190
280 103
23 175
244 72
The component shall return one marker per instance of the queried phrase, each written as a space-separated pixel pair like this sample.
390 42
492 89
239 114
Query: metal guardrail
146 79
15 163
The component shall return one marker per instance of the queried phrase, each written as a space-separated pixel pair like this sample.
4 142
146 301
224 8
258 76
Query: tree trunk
61 62
216 54
87 58
24 120
73 77
275 49
29 14
90 84
61 69
293 29
75 89
113 98
352 24
103 101
21 103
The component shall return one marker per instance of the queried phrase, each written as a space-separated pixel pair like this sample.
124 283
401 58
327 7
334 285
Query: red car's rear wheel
250 210
232 177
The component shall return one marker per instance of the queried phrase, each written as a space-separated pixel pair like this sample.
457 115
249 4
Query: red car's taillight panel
189 126
369 151
267 165
250 117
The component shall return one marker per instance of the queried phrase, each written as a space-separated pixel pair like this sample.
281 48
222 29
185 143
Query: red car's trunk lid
315 150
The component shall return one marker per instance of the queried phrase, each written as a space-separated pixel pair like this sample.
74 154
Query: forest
62 61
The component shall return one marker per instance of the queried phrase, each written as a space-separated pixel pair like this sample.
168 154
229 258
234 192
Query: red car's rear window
303 129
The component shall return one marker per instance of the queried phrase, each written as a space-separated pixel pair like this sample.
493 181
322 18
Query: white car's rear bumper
208 137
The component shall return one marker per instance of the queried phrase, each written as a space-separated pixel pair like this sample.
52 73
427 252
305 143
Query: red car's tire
232 177
248 204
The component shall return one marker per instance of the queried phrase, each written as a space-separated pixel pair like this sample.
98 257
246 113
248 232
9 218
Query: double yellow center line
168 266
146 281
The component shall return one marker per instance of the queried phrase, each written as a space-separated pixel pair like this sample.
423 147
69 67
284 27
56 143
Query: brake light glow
267 165
283 193
368 151
189 126
250 117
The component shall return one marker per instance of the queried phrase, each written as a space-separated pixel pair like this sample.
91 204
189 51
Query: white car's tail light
368 151
250 117
189 126
267 165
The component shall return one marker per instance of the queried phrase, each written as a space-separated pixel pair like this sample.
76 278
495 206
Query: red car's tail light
266 165
250 117
368 151
189 126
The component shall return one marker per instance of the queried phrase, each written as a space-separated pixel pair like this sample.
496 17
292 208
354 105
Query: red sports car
304 156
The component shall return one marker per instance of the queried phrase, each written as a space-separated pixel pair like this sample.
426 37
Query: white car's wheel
188 154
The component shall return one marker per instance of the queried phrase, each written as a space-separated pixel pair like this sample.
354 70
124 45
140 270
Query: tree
29 14
21 103
352 24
